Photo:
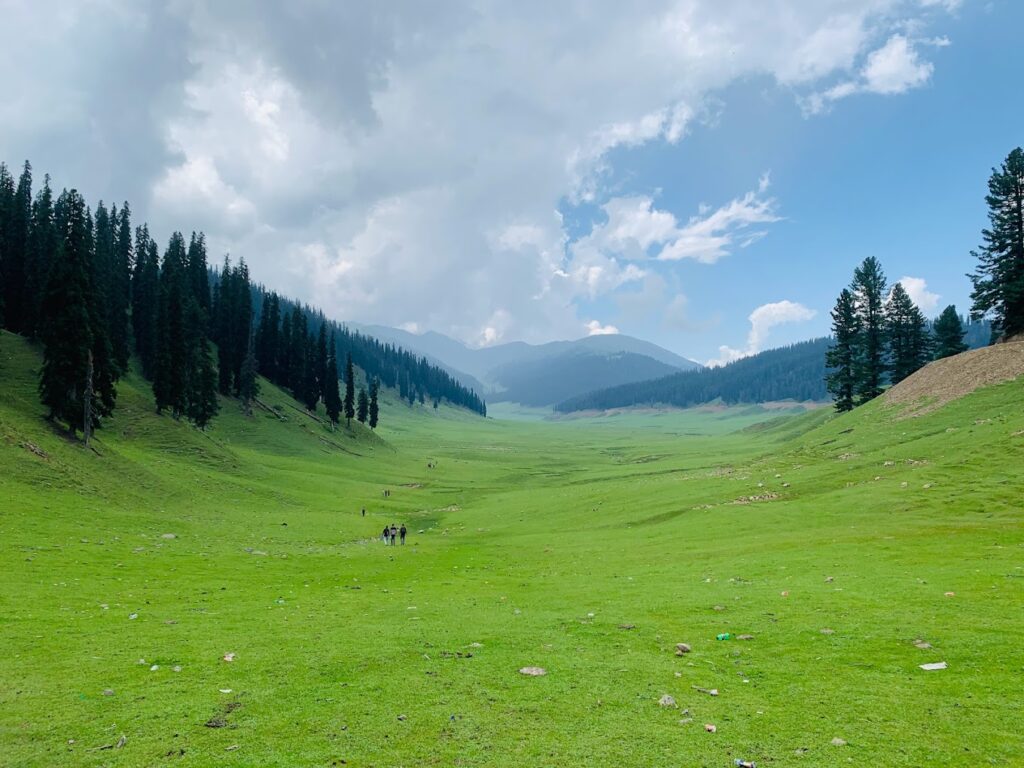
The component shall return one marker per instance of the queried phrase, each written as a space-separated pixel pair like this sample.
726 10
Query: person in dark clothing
364 511
401 532
394 534
386 535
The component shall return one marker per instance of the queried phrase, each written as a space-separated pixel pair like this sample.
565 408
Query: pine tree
868 290
332 398
374 406
119 294
248 385
363 406
17 225
170 382
223 327
321 360
267 337
907 335
201 400
842 356
999 276
284 360
949 334
6 204
146 300
73 344
310 391
198 273
350 388
43 244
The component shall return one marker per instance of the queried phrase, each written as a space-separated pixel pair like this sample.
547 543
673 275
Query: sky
704 174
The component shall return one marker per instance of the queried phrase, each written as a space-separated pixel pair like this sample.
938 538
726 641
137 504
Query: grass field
588 549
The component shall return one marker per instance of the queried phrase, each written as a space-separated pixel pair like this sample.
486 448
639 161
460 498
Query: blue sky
701 173
901 177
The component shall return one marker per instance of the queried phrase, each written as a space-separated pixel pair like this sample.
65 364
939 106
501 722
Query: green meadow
847 551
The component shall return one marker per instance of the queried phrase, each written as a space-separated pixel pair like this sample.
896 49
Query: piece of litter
108 692
121 742
154 668
744 637
229 657
933 666
924 645
827 631
133 616
232 748
225 690
837 742
785 594
709 728
177 667
533 671
951 594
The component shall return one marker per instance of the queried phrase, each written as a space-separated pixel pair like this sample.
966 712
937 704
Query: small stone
710 728
951 594
744 637
121 742
682 648
154 668
666 701
177 667
229 657
232 748
924 645
627 626
837 742
132 616
401 717
827 631
829 579
533 671
719 607
108 691
168 536
785 593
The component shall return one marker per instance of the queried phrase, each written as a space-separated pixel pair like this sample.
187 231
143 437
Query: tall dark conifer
6 204
201 383
949 334
842 356
869 293
17 225
374 404
146 300
198 272
909 345
74 345
119 295
999 276
170 382
332 398
321 360
362 406
350 388
248 384
43 244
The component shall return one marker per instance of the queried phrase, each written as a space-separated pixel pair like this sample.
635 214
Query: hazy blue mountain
541 374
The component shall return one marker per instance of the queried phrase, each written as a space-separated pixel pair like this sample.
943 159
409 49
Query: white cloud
894 68
917 289
762 321
401 162
594 328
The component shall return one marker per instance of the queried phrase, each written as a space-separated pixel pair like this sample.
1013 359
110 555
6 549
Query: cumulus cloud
917 289
762 321
403 162
894 68
594 328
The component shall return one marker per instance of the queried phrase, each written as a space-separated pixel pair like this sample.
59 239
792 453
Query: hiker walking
394 534
402 532
386 534
364 511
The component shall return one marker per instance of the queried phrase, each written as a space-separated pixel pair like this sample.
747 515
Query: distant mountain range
543 374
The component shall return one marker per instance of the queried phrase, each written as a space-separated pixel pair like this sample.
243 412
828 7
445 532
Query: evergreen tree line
881 337
295 344
92 291
795 372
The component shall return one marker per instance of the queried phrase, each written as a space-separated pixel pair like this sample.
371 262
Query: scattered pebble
924 645
133 616
229 657
827 631
666 701
177 667
225 690
401 717
682 648
837 742
627 626
744 637
533 671
108 691
154 668
121 742
933 666
951 594
785 593
232 748
710 728
168 536
829 579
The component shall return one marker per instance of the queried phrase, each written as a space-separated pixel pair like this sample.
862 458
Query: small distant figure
394 534
364 511
401 532
387 493
386 535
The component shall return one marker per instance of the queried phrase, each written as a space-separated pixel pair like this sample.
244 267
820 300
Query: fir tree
146 300
321 360
374 406
170 382
223 327
267 337
6 204
198 273
284 360
999 276
332 398
248 386
310 390
42 249
297 353
362 406
949 334
14 248
73 344
841 357
201 400
119 295
350 388
868 290
907 335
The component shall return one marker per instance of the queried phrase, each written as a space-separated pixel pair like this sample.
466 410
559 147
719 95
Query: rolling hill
543 374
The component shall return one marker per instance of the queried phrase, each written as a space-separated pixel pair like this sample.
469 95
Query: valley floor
850 549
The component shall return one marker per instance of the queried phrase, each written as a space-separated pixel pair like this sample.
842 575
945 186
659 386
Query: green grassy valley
839 553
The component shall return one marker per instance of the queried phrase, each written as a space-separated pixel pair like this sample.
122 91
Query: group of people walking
391 533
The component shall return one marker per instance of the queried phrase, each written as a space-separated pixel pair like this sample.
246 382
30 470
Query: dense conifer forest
93 291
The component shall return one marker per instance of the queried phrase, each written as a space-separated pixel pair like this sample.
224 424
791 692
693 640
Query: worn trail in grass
532 544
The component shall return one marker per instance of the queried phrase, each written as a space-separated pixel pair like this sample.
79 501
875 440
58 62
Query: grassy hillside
588 549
